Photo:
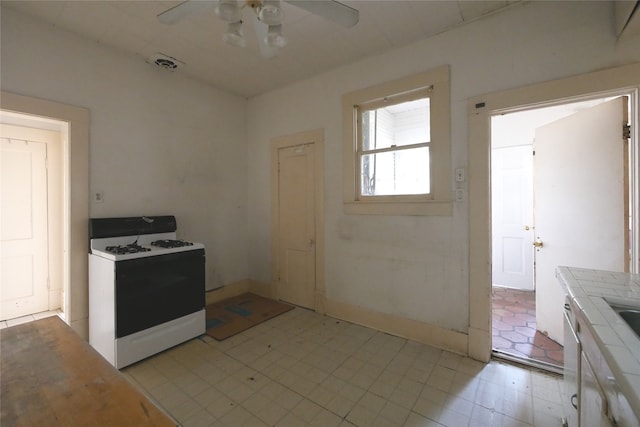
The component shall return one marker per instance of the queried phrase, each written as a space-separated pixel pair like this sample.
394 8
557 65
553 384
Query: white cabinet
585 402
571 371
593 403
599 352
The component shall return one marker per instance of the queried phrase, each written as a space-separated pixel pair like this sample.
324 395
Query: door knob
538 243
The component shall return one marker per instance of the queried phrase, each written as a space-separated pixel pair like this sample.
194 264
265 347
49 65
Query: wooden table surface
49 376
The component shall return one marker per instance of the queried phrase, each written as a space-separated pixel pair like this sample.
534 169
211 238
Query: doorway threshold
7 323
528 362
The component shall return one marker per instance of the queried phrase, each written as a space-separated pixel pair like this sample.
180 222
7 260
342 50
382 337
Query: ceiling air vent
165 61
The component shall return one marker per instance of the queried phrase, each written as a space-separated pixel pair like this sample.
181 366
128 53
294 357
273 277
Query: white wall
417 267
159 144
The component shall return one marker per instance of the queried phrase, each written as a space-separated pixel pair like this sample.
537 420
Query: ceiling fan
266 17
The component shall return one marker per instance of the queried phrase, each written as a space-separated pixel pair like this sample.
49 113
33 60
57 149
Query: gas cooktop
170 243
126 238
132 248
121 248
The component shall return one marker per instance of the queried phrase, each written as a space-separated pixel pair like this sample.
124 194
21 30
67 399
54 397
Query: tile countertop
591 290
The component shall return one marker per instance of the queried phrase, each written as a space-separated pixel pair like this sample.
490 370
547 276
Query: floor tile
416 420
291 420
340 406
394 413
361 416
45 314
326 418
514 327
20 320
324 372
272 413
200 419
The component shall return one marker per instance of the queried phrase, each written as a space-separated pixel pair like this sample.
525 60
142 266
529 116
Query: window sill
422 208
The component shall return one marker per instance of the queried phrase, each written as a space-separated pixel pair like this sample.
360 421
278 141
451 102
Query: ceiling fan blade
329 9
261 31
181 11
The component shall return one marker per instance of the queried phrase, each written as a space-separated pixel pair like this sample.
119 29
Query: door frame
75 170
313 137
34 132
610 82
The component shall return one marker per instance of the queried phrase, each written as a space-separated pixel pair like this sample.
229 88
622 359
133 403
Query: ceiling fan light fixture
270 12
234 35
228 11
274 37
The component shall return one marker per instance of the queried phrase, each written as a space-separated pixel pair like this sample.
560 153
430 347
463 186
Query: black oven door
156 289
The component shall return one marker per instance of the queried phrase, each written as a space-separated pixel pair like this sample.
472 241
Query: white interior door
23 228
580 217
512 217
296 225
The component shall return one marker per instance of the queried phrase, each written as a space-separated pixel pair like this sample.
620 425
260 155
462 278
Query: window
393 148
397 154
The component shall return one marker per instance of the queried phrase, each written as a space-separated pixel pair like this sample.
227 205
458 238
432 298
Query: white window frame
422 93
435 85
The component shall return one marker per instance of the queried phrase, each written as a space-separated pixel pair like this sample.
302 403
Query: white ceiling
315 44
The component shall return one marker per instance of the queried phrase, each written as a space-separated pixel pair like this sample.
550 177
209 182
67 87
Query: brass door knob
538 243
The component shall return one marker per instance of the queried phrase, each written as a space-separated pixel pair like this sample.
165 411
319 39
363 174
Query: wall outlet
98 196
460 175
459 195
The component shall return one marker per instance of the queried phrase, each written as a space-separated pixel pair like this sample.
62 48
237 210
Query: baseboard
237 288
262 289
479 344
81 326
228 291
424 333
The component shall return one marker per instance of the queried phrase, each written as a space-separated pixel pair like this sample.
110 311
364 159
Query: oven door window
156 289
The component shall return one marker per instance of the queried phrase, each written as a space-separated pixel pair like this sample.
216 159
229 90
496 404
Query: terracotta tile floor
514 327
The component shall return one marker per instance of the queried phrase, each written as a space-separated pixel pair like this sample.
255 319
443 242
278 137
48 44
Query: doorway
75 199
298 219
533 190
31 230
609 82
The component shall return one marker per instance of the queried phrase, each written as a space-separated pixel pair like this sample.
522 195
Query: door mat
234 315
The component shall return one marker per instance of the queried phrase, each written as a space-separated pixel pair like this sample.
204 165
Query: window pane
400 124
395 173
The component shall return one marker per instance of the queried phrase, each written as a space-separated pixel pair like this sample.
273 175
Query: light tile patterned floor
304 369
